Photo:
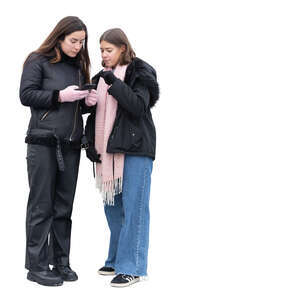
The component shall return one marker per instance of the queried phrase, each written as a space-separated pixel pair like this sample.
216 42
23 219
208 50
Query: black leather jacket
52 121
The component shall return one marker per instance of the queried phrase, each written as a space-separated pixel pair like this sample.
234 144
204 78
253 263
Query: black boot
65 272
47 278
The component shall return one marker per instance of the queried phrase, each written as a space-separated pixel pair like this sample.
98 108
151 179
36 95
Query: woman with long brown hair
51 85
123 133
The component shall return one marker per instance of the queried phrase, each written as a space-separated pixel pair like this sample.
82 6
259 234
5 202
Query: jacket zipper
45 115
75 122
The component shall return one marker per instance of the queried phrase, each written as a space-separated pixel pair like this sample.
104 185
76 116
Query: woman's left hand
108 77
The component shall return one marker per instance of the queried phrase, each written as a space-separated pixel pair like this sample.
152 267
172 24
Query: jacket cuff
114 86
54 100
85 108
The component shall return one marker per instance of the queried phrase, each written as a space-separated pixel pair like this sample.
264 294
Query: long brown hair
117 37
51 46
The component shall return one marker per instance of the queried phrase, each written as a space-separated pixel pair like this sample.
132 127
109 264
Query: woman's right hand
70 94
92 98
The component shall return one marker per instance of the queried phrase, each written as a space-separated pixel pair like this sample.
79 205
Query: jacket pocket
45 115
135 138
125 137
48 119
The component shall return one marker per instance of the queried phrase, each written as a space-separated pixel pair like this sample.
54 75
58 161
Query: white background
225 185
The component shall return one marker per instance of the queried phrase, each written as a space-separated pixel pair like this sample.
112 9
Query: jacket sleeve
135 100
31 92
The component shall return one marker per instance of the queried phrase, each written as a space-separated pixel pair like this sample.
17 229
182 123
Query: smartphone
87 86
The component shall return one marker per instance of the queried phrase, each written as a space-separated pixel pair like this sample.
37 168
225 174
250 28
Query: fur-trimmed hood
142 71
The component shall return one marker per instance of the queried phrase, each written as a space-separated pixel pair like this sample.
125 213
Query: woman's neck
68 59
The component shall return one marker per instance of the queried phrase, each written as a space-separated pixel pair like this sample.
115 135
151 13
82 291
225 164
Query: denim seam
140 221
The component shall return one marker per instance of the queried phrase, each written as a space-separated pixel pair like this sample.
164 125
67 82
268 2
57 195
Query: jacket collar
139 69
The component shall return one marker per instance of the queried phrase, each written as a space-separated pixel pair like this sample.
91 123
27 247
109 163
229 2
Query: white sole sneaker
105 273
125 284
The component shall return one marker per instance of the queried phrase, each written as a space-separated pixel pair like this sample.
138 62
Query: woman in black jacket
121 132
49 83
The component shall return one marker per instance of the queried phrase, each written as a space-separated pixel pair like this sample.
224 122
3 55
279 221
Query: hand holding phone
92 98
87 86
71 94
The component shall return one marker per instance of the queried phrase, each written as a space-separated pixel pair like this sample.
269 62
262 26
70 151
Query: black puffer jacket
133 131
50 120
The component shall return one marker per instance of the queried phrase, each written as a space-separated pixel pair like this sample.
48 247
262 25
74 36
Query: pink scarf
109 173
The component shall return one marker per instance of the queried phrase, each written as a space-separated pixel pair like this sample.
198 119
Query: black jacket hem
134 153
51 142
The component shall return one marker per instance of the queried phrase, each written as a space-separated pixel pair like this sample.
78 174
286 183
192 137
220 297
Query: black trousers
50 204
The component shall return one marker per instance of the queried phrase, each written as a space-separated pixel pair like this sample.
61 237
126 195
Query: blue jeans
128 219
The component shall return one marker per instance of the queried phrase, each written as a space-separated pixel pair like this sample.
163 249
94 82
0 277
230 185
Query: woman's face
73 43
110 53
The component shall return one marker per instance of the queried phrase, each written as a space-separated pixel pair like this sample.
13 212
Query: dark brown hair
117 37
51 46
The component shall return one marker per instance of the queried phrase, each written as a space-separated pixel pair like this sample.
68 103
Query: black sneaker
47 278
106 271
66 273
123 280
